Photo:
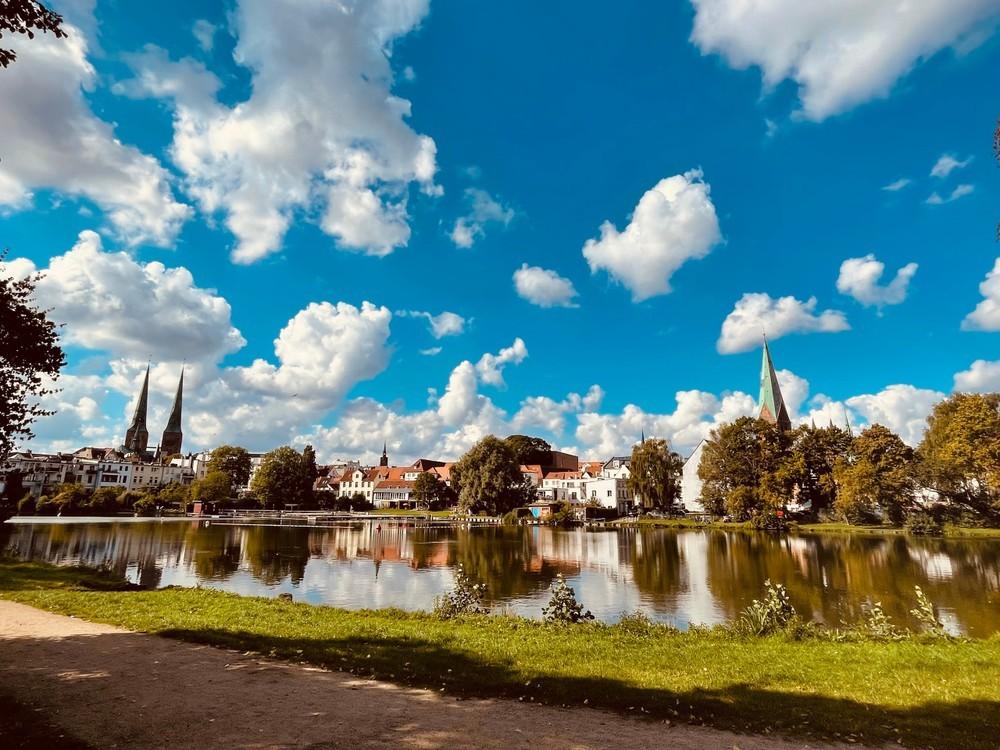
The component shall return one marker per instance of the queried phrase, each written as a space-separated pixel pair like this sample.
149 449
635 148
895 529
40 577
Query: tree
309 474
174 493
528 450
809 467
427 488
29 352
214 487
489 477
877 473
234 461
26 17
960 453
655 474
279 480
739 469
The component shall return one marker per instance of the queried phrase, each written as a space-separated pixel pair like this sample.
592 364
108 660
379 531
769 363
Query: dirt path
116 689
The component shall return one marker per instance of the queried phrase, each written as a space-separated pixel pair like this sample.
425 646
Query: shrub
766 519
922 523
877 626
26 506
772 614
927 617
145 506
465 599
46 506
636 624
103 502
563 608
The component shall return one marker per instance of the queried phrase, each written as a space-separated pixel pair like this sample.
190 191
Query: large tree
279 480
960 452
232 461
26 17
528 450
489 477
309 473
29 354
741 467
655 474
810 463
214 487
427 488
877 474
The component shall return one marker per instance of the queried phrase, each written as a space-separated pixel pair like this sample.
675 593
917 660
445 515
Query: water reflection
681 577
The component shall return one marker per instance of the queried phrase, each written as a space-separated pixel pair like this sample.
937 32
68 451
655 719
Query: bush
767 519
922 523
637 624
877 626
104 502
772 614
26 506
563 608
927 617
145 506
46 506
465 599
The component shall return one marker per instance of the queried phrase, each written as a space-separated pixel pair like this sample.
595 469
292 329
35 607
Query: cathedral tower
771 404
137 436
384 461
173 435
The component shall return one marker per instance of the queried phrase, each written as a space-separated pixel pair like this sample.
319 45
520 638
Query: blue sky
277 155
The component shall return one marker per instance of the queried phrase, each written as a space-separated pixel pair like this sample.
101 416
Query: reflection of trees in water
508 560
216 552
276 552
656 564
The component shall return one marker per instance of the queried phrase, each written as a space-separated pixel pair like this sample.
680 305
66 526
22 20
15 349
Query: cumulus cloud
490 366
981 377
758 313
484 209
53 140
550 415
839 53
947 163
543 287
901 408
960 191
444 324
859 278
204 34
896 186
672 223
986 316
321 127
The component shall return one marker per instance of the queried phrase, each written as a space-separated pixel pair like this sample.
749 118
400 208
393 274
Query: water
677 576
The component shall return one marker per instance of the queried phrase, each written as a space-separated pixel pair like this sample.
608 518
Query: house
611 493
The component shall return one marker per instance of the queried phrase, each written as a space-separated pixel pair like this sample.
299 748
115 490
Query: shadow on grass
974 725
19 575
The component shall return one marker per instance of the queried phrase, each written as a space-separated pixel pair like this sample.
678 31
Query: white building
691 483
610 493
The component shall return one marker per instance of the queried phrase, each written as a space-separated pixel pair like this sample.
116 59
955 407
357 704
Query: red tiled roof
401 484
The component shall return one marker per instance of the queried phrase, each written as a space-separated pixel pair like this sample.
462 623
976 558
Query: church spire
384 461
173 435
771 404
137 436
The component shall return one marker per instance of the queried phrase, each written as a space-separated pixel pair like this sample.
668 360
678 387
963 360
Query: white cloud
432 351
672 223
483 210
110 302
935 199
986 316
543 287
894 187
204 33
186 80
758 313
947 163
321 127
859 278
52 140
444 324
901 408
550 415
840 52
490 366
981 377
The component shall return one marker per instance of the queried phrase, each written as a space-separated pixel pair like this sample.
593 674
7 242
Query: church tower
137 436
771 404
384 461
173 435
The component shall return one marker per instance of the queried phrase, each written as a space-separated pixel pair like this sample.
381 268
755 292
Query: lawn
922 693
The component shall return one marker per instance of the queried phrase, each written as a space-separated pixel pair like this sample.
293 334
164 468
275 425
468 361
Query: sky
422 222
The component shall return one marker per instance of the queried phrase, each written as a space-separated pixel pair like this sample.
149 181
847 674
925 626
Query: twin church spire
771 404
137 434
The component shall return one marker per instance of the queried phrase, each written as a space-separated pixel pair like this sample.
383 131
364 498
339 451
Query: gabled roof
426 464
563 475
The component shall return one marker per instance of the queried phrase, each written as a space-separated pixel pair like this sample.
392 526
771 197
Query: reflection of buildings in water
937 566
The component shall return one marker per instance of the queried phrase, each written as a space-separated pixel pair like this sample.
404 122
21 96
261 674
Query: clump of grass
772 614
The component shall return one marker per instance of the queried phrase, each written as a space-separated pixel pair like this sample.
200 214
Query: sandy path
112 688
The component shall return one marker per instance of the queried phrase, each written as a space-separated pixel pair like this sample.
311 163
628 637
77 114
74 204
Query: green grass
826 527
924 693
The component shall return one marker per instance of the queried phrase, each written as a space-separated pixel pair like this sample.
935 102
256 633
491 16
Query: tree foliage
810 464
877 475
655 474
528 450
233 461
280 479
427 488
29 352
741 469
960 452
488 477
26 17
214 487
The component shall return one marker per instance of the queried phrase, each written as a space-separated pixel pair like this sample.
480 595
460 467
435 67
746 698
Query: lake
676 576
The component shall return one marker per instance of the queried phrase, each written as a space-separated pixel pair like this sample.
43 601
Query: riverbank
826 527
933 693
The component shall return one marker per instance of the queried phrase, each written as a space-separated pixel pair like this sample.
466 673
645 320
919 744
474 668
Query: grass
923 693
826 527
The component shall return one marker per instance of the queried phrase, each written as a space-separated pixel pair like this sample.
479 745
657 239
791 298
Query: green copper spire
173 435
771 404
137 436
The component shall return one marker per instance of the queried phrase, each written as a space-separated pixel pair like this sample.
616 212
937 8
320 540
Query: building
137 435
